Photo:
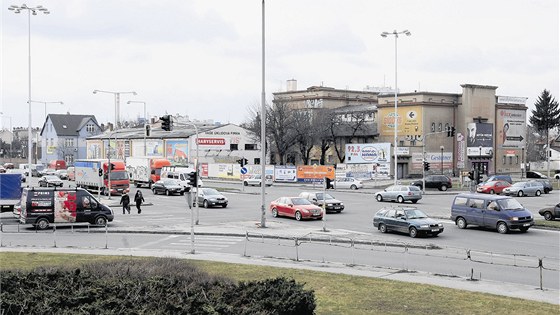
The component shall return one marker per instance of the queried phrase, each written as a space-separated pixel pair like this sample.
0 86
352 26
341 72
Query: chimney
291 85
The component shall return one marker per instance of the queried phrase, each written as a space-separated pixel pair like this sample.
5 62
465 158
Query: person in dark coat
139 199
125 201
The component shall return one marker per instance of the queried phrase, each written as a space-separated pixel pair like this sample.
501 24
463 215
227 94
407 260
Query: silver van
181 176
496 212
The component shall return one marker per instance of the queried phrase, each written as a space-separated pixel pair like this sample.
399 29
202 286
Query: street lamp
142 102
441 148
46 105
396 34
30 10
479 159
117 103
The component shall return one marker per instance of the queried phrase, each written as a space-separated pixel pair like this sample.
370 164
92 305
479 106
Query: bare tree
305 134
345 130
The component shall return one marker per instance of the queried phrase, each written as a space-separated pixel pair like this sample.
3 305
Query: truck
92 174
181 174
145 170
10 191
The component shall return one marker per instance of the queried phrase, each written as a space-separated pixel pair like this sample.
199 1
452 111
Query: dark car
50 181
547 185
550 213
167 186
533 174
316 198
210 197
408 220
440 182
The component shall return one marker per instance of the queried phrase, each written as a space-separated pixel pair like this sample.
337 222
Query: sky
203 58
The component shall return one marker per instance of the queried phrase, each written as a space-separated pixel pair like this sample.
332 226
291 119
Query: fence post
540 271
106 236
246 240
297 253
54 234
352 244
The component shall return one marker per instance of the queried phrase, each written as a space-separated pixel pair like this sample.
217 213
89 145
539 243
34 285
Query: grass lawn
335 293
549 224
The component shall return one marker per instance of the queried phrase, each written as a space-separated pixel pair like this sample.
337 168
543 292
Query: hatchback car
524 189
399 193
348 183
440 182
210 197
255 180
167 186
331 204
50 181
408 220
492 187
550 213
295 207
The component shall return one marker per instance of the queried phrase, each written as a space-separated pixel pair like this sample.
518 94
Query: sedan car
492 187
348 183
440 182
255 180
524 189
210 197
167 186
399 193
50 181
295 207
62 174
550 213
408 220
318 198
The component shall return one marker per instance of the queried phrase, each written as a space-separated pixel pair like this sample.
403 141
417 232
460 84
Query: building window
69 143
439 127
250 146
517 159
433 127
90 128
510 160
233 147
503 160
69 159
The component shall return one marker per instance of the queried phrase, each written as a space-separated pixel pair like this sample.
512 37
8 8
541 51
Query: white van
181 174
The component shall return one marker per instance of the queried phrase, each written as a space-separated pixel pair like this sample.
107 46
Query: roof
180 131
69 125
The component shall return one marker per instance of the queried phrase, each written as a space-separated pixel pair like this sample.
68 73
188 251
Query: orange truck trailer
93 175
145 170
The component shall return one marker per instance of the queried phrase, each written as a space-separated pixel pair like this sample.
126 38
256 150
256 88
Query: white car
348 182
255 180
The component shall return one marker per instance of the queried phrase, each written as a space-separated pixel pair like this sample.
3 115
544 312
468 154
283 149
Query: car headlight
424 226
329 204
514 218
342 203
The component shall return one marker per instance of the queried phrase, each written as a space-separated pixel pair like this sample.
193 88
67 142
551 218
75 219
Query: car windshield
210 191
300 201
415 214
119 175
320 196
170 182
520 184
510 204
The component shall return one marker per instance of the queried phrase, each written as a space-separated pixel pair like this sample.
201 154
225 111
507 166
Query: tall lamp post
42 102
396 34
441 148
117 103
30 11
142 102
263 126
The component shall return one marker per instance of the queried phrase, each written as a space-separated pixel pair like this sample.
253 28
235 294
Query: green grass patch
335 293
554 224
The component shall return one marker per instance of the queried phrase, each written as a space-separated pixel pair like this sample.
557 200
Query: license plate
336 207
527 224
435 230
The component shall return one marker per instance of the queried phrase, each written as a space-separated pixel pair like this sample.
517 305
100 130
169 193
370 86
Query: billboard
480 139
176 151
363 153
511 128
314 173
409 120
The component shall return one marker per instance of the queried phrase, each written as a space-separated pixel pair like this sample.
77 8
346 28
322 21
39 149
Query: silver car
399 193
255 180
348 182
524 189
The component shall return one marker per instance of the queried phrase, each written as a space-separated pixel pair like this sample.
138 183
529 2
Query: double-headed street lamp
30 11
145 122
42 102
396 34
117 103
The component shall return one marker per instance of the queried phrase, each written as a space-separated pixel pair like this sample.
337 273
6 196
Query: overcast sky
203 58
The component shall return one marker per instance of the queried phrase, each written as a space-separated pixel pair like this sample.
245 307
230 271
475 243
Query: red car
295 207
493 187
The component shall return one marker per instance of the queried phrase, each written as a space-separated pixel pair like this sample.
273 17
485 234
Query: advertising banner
314 173
153 148
434 158
480 139
94 149
214 143
511 128
409 121
364 153
286 174
176 151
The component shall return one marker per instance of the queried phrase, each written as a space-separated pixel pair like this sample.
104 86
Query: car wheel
298 216
353 187
548 216
101 221
461 223
538 193
382 228
205 204
275 212
167 193
414 201
379 198
413 232
502 228
520 193
154 191
400 199
245 184
443 188
182 193
492 192
524 229
224 205
42 224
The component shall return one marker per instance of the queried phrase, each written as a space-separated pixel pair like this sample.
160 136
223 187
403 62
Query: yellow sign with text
409 121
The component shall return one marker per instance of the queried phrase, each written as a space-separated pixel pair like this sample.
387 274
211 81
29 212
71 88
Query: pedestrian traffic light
148 130
426 166
479 178
450 131
328 183
100 172
471 175
166 122
193 179
245 161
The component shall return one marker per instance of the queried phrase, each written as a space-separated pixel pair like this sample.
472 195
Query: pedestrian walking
125 201
139 199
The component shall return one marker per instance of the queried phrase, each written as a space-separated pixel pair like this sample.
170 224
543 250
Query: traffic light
192 179
148 130
241 162
426 166
328 183
100 172
166 122
245 161
450 131
471 175
479 178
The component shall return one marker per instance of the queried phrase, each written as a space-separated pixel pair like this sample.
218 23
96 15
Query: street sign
243 170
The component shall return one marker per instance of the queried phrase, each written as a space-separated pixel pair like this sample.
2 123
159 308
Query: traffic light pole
450 132
325 205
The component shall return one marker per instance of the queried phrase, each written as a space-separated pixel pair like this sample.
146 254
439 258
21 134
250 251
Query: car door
476 211
389 219
557 211
401 224
491 215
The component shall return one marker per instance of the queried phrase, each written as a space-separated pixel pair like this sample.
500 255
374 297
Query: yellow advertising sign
310 173
409 120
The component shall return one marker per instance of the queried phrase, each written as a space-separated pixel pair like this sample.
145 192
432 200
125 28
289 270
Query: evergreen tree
546 114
